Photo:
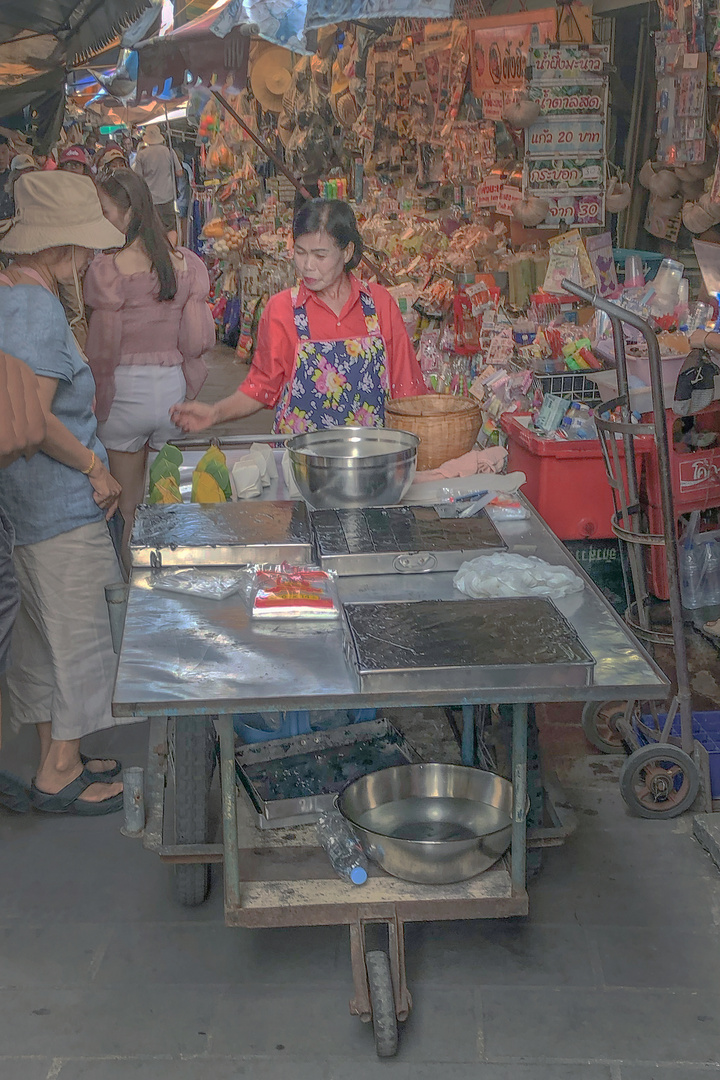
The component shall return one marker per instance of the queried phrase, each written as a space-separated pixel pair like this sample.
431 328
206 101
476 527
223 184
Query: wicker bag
447 426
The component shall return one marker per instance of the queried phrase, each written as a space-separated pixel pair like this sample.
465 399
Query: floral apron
335 382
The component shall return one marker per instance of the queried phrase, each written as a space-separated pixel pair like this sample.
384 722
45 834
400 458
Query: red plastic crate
695 474
566 481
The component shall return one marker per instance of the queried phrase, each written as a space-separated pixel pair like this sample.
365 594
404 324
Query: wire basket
569 384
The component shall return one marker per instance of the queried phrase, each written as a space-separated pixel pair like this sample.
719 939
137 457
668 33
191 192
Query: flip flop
14 794
68 801
106 774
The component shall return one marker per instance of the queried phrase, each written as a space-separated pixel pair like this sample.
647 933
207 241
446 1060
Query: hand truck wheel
192 757
659 781
600 724
382 999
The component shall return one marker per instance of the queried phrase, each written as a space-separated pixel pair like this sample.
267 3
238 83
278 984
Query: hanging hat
344 106
271 76
285 128
53 209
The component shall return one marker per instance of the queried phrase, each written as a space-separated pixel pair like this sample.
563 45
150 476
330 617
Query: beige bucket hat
57 208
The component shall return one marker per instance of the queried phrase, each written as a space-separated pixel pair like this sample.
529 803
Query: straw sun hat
271 76
57 208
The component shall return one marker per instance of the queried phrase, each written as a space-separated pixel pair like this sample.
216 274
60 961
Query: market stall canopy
216 43
39 39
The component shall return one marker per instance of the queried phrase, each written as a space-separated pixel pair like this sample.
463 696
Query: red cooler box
566 481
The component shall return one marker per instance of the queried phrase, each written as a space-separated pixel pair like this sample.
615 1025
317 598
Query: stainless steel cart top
185 655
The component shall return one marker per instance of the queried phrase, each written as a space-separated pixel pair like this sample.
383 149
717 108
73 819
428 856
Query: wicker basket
447 426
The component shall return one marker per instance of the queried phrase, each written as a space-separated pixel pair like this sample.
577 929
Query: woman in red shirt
329 352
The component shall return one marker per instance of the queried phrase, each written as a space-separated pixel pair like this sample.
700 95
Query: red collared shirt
274 357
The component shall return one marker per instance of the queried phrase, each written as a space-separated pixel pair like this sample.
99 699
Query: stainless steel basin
431 823
353 467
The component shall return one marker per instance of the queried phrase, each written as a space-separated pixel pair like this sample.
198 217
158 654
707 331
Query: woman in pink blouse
149 326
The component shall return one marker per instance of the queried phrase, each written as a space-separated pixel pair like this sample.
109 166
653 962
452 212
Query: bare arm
195 416
22 416
61 444
705 339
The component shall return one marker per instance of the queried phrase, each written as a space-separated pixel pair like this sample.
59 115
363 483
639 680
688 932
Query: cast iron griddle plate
462 633
221 525
395 529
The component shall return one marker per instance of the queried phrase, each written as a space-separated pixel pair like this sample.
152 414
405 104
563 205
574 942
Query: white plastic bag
505 574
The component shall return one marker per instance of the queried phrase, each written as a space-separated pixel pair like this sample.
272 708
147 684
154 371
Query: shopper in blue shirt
62 663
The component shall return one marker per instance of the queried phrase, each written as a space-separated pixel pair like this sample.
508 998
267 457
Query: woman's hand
106 490
697 338
193 416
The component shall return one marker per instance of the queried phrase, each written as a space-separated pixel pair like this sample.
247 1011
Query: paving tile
196 1068
106 1020
24 1068
209 953
633 1025
676 1071
498 952
51 955
628 897
443 1026
487 1070
70 870
647 958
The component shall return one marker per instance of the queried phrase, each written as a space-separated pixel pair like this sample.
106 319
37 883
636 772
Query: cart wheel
382 1000
600 724
194 761
660 780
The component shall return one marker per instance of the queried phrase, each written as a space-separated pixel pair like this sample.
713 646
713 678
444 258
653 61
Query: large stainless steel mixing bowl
353 467
430 823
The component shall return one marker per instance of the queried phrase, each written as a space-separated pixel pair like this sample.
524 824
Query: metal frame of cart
186 664
653 782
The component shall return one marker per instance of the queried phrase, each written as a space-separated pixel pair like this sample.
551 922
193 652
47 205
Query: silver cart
189 664
662 774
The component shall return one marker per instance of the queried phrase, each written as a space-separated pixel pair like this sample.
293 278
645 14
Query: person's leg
63 665
129 471
93 765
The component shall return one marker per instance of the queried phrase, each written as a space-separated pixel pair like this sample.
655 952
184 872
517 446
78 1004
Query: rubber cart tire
600 727
659 781
194 760
382 999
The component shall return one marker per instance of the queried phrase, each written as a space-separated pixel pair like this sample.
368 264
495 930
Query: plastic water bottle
342 848
711 573
691 576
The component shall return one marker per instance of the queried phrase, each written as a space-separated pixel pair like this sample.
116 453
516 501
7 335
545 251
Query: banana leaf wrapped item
165 476
211 479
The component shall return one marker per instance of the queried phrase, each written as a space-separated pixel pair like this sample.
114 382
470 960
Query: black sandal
68 801
106 774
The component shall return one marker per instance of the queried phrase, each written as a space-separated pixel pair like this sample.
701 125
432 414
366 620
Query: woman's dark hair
130 192
336 219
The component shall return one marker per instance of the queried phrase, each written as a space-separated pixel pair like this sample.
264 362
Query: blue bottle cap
358 875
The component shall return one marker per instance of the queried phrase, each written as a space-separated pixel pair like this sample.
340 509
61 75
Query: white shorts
140 410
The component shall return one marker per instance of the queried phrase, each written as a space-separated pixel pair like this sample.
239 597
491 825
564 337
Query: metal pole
383 277
172 168
231 861
133 801
468 734
667 501
519 779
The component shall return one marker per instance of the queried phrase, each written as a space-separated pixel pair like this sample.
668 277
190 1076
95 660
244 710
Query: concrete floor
614 976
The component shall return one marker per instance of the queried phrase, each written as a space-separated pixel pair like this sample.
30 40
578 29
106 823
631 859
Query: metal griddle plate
399 539
464 644
222 534
292 781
